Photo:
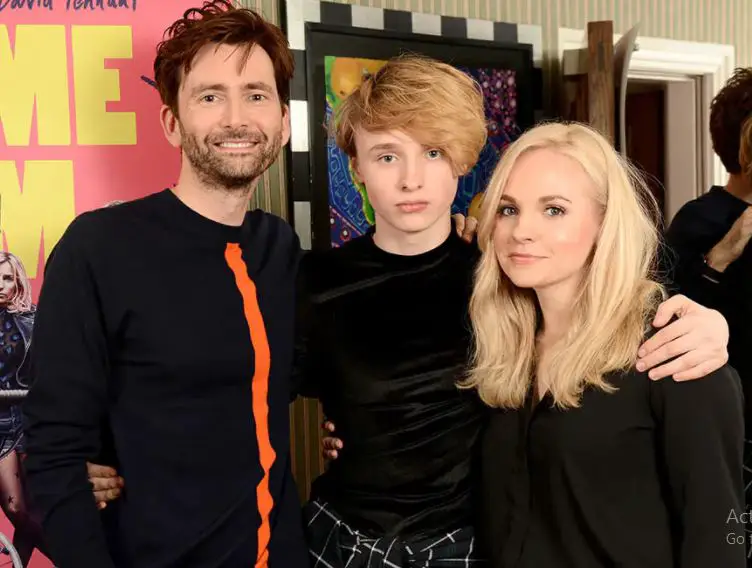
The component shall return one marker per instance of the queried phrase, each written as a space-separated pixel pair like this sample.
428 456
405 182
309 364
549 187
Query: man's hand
697 341
732 244
330 444
105 482
466 226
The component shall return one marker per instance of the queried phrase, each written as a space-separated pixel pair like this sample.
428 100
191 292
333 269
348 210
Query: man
171 319
384 336
709 237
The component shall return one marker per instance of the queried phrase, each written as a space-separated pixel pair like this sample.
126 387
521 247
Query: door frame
668 60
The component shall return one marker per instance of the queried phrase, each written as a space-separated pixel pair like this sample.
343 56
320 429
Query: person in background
708 239
16 324
585 461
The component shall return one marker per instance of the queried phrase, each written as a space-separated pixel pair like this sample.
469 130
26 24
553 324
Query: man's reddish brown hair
218 22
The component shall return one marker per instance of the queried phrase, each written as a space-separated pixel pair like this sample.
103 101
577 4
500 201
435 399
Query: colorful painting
350 213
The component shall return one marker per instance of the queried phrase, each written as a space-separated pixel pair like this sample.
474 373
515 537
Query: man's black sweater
177 331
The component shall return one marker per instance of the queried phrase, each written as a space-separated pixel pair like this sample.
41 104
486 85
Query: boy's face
410 186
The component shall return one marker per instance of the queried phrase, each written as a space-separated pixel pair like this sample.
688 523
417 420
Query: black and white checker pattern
332 543
298 12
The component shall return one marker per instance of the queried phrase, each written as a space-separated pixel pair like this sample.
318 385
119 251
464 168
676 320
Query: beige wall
715 21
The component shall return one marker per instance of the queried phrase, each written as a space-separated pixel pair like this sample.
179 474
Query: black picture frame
344 41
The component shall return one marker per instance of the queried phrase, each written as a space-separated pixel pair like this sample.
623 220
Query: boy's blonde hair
435 103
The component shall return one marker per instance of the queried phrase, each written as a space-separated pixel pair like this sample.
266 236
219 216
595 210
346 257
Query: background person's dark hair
728 111
745 150
218 22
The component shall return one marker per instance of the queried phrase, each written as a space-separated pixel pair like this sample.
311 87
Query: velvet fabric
383 342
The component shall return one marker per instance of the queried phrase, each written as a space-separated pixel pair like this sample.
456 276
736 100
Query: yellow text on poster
38 72
45 204
37 67
95 85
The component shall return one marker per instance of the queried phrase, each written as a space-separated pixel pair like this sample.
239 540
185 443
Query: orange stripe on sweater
260 391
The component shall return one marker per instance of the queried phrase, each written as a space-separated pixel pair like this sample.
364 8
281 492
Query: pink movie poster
79 129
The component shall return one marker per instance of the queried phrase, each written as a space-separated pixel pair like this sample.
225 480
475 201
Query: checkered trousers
334 544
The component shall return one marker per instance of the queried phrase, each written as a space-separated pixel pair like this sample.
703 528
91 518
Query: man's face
231 123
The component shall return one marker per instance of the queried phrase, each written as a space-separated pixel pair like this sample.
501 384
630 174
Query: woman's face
547 222
7 283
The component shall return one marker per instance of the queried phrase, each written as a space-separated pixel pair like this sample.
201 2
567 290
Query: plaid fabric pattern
334 544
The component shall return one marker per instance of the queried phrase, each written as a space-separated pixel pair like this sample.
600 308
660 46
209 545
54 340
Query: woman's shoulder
724 380
718 390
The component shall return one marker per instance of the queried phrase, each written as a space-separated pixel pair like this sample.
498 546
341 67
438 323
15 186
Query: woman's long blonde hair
616 299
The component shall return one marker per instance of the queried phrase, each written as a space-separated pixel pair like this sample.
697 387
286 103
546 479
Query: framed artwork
339 58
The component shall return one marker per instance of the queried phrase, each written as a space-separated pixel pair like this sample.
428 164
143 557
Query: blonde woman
16 323
586 462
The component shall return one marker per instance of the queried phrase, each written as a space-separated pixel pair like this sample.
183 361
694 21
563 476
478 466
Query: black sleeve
306 361
66 406
683 257
702 442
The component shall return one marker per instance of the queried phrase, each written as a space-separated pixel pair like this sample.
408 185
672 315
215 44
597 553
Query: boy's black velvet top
177 333
647 476
697 227
384 342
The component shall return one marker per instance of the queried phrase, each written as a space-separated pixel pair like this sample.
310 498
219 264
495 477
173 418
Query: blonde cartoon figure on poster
16 323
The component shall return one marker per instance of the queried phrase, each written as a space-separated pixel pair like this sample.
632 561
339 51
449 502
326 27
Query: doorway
665 139
646 135
690 74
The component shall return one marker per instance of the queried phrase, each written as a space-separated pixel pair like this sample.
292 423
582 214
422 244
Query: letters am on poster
79 128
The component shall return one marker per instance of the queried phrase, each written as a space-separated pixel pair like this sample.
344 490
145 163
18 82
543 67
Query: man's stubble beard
223 174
